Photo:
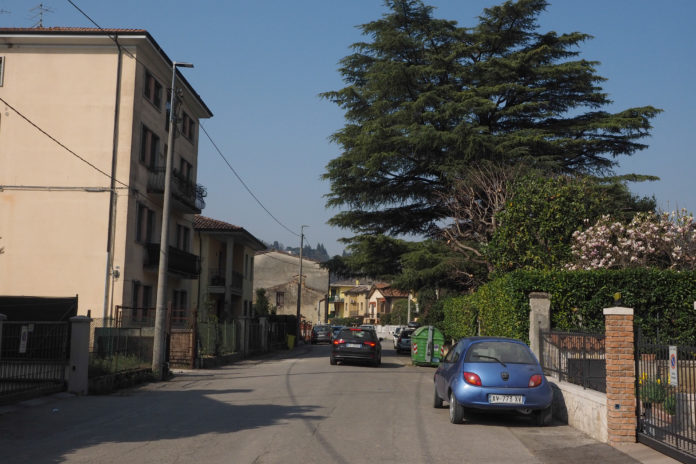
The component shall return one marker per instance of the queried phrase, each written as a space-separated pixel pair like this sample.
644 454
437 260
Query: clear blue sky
259 65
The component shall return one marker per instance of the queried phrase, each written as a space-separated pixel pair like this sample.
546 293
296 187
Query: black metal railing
33 358
216 277
189 194
180 262
575 357
666 402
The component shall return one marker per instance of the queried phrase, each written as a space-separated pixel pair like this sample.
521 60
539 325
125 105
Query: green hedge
663 301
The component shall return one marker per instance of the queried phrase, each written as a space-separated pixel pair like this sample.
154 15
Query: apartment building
83 138
227 269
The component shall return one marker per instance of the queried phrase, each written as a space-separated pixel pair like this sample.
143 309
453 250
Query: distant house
381 300
227 252
278 273
347 298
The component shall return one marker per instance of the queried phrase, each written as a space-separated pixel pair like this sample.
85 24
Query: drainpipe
112 194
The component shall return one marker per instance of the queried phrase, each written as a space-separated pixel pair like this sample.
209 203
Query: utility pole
299 284
158 349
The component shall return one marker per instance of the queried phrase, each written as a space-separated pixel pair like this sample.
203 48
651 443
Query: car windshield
499 352
362 334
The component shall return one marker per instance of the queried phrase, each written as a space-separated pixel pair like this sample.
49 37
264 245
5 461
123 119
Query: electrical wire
243 183
59 142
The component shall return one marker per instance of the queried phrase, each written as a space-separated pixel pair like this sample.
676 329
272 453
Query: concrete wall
584 409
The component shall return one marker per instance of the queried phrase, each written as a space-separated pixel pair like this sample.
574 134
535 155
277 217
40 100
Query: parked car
356 344
397 331
492 373
403 343
321 333
369 326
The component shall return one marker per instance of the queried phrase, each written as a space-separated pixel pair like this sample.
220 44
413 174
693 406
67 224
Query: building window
135 299
153 90
2 69
148 302
187 126
145 224
183 237
180 299
280 299
149 148
185 169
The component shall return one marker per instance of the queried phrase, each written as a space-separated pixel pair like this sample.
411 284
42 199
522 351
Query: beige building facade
227 269
76 111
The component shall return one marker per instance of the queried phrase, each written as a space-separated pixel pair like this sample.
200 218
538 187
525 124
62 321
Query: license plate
506 399
353 345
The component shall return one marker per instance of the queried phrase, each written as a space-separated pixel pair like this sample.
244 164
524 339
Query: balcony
180 262
187 196
217 281
335 299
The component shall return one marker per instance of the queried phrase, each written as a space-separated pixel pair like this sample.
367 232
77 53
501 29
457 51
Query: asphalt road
291 407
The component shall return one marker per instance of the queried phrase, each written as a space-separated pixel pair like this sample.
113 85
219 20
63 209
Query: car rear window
497 351
322 328
363 334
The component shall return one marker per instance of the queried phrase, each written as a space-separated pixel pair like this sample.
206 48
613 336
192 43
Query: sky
260 66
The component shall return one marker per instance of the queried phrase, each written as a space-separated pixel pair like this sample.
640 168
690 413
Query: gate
666 412
33 359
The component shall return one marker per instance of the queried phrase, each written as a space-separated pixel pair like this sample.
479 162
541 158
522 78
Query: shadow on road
50 433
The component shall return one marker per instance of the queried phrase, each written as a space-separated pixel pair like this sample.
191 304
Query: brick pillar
621 375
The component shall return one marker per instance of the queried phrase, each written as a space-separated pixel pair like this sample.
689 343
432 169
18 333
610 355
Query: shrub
652 391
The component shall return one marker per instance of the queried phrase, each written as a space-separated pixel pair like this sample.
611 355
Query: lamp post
159 348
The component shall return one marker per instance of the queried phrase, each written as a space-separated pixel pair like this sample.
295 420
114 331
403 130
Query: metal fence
575 357
218 338
33 358
114 348
666 405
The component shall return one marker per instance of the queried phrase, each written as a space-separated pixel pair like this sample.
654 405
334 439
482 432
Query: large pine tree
425 100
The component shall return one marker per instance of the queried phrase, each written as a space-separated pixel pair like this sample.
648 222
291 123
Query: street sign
23 339
673 380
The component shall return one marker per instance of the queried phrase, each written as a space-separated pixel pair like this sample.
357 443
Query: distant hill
317 254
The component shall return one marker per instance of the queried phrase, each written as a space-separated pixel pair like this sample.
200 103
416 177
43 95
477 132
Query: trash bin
291 342
427 346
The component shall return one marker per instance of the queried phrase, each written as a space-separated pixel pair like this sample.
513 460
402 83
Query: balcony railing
217 279
188 196
180 262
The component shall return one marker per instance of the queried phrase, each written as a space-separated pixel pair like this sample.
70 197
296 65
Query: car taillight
471 378
372 344
339 341
535 380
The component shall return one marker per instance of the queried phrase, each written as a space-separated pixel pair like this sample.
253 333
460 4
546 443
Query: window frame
154 86
149 147
2 70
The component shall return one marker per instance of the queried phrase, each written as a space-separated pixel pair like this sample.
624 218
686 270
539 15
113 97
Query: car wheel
437 401
456 411
332 360
544 417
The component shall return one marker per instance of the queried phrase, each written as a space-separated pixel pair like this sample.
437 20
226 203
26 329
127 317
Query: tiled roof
206 223
358 290
392 292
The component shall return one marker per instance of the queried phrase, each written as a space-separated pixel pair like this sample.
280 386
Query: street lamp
159 348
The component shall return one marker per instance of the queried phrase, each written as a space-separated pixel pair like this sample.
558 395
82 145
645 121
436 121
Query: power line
245 185
59 142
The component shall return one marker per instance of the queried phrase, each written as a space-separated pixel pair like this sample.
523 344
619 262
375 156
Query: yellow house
348 298
83 135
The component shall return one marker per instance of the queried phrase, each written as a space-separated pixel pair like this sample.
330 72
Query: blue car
492 373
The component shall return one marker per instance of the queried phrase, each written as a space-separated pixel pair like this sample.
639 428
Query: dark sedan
321 334
356 344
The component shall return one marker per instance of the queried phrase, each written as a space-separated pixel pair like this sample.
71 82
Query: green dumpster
427 346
